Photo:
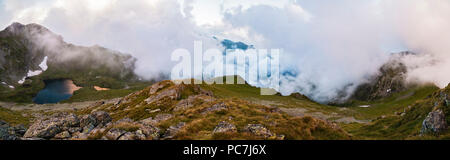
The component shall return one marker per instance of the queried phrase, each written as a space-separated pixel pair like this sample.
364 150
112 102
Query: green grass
90 94
252 94
395 103
394 126
13 117
85 71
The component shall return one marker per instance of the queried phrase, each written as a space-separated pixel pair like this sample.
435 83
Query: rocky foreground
177 111
169 111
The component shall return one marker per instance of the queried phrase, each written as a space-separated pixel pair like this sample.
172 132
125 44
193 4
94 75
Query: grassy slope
83 74
252 94
240 113
388 125
245 101
392 127
13 117
90 94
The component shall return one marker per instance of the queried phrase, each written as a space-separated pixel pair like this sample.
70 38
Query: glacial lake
55 91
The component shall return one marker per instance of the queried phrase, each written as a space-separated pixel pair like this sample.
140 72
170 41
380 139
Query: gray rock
5 132
158 119
140 135
216 107
434 123
150 132
118 102
98 118
172 94
128 136
258 130
158 86
124 120
114 133
79 136
63 135
153 111
225 127
74 130
173 130
96 131
48 127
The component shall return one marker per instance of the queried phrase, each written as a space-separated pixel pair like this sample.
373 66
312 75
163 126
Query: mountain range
387 106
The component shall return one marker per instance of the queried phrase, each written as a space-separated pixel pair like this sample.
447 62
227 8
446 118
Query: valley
97 95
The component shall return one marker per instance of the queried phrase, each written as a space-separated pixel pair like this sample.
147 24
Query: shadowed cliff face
390 79
24 47
30 54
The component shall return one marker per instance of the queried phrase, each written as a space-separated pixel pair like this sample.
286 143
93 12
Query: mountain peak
17 28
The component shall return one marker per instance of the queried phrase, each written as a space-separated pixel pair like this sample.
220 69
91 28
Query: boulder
62 135
79 136
128 136
98 118
158 119
216 107
153 111
158 86
173 130
114 133
258 130
7 132
189 102
173 93
144 131
48 127
140 135
224 127
434 123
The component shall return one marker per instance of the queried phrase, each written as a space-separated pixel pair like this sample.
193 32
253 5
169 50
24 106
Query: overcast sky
329 43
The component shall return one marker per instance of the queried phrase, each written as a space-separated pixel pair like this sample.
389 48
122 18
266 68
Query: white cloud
329 44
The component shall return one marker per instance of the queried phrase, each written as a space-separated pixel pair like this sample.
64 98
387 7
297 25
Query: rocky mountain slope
423 118
390 79
30 54
166 110
177 111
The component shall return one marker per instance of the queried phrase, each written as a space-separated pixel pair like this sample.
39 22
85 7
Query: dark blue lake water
54 91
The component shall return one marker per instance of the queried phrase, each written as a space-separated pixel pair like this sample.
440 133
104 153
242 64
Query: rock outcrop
258 130
48 127
61 125
224 127
173 130
8 132
390 79
434 123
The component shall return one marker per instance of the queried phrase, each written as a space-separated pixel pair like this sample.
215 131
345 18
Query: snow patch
33 73
364 106
42 65
22 80
12 87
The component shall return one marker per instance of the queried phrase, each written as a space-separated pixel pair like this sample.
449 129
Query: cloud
328 46
424 28
327 49
149 30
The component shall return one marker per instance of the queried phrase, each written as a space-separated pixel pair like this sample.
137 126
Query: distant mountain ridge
390 79
23 49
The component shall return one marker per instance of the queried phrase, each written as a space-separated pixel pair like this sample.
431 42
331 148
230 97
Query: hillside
169 111
31 54
390 79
